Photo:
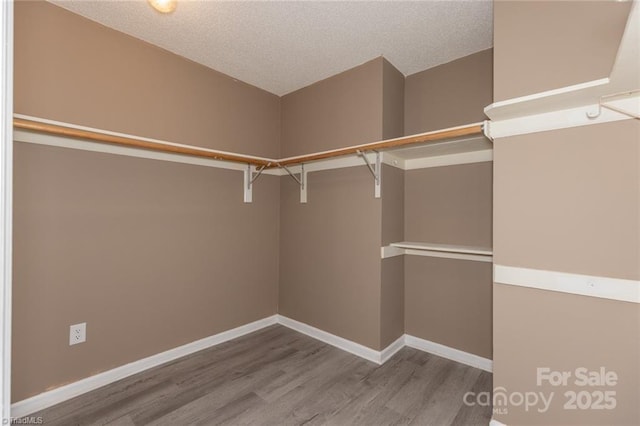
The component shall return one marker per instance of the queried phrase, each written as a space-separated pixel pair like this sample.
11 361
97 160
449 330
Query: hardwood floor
277 376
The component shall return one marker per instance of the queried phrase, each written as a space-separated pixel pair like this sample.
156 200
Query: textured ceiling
283 46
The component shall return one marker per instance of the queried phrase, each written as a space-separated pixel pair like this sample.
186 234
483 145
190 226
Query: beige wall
448 301
150 254
392 293
545 45
450 205
393 204
330 254
582 213
71 69
449 95
392 274
567 201
343 110
392 101
536 328
331 273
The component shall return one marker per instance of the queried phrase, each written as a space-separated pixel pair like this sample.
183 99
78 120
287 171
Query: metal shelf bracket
302 181
605 102
251 174
376 171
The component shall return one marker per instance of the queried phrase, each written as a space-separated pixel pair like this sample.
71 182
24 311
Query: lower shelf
448 251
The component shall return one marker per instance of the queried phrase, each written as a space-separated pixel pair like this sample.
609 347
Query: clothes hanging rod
55 129
435 136
129 141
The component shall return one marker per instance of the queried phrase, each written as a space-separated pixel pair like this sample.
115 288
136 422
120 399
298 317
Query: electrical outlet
77 333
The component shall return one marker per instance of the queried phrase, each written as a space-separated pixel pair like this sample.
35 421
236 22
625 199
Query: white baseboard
392 349
66 392
449 353
380 357
496 423
331 339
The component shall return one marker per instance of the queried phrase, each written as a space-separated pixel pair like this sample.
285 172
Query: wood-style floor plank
277 376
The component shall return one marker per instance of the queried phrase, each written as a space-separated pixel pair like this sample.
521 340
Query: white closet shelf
446 248
618 91
454 145
450 141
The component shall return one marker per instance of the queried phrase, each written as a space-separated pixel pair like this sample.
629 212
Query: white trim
584 285
392 349
494 422
554 120
63 393
331 339
449 353
449 159
380 357
6 202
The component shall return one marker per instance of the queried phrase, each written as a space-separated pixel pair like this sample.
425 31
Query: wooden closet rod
438 135
435 136
55 129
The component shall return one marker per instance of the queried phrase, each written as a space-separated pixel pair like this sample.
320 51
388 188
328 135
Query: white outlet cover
77 333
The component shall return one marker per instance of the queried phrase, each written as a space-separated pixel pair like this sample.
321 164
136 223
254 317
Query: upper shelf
447 248
620 88
439 142
453 133
468 144
135 142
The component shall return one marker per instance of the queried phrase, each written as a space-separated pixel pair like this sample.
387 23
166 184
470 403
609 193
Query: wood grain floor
277 376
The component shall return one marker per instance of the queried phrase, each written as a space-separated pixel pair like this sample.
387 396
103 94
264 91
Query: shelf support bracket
602 103
251 174
302 181
376 171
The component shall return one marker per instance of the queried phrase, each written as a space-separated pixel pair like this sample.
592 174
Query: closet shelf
454 140
446 248
618 91
453 133
134 142
467 137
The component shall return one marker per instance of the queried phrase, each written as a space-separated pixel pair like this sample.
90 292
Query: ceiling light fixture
164 6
